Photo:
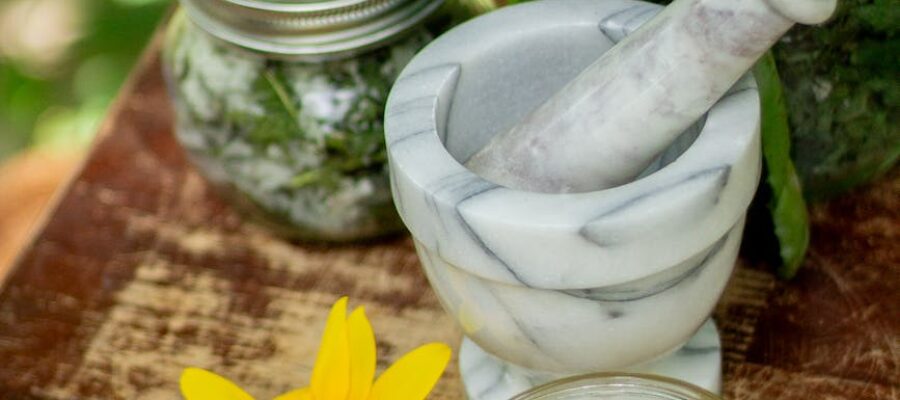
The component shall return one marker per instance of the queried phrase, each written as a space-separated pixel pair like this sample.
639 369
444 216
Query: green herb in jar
298 141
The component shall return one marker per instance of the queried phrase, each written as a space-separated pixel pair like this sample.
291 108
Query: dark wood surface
140 271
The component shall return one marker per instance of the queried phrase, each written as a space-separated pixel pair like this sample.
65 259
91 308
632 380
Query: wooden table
140 271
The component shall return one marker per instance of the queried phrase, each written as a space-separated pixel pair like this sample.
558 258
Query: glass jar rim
618 383
309 29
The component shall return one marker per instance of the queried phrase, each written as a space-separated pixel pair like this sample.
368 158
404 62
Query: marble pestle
605 126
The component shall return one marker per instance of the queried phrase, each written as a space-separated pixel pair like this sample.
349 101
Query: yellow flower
344 370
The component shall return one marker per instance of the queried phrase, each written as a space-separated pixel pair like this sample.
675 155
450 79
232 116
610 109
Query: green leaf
787 206
843 93
307 178
280 123
881 15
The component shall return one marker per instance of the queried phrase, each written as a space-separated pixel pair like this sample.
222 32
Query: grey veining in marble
606 125
575 282
486 377
585 329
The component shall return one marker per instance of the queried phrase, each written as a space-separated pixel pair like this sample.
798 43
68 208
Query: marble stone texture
663 77
563 283
699 362
585 329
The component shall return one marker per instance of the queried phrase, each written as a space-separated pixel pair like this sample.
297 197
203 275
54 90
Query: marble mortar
563 283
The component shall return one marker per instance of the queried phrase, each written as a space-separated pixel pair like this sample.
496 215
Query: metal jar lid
316 29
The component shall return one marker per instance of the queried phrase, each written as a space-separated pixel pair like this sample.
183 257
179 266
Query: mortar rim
747 128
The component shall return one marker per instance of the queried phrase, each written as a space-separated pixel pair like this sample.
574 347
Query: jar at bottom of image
280 106
617 386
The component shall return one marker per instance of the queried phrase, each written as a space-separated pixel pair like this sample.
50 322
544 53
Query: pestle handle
605 126
805 11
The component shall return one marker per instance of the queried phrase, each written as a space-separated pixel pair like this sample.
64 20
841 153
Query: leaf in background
787 207
37 109
842 88
881 15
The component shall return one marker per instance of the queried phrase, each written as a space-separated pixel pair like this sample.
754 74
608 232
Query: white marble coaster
485 377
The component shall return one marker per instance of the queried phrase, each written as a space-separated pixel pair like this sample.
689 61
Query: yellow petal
297 394
200 384
362 354
331 375
413 375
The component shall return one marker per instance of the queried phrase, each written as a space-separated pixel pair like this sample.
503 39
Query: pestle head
805 11
608 124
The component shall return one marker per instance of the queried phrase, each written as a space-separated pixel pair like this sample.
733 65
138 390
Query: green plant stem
787 206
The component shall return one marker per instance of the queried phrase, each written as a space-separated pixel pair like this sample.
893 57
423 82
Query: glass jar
279 103
617 386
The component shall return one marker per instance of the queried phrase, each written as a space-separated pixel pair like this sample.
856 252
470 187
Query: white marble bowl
567 283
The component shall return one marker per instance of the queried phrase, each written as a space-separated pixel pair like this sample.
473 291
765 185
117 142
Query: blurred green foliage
60 105
842 86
